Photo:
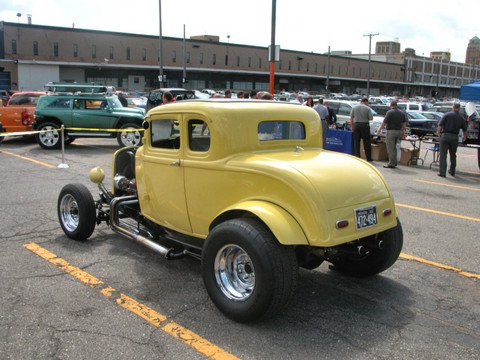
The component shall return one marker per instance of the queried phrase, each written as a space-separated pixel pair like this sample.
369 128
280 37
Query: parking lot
110 298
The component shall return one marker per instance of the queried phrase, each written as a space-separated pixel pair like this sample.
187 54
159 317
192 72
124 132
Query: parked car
412 106
86 115
253 208
155 96
420 125
417 124
432 115
380 109
18 114
343 108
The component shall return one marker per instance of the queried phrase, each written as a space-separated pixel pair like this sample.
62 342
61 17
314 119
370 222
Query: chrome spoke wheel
69 212
234 272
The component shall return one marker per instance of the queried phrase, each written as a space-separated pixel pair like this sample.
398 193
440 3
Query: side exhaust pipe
131 232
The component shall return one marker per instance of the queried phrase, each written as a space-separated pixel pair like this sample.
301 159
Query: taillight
25 118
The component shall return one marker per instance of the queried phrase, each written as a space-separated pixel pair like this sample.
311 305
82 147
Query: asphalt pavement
110 298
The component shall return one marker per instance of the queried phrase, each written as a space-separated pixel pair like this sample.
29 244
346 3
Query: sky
306 25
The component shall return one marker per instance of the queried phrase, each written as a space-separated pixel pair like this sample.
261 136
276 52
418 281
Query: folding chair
435 149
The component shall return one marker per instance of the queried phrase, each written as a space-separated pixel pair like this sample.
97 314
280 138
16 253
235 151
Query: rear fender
285 228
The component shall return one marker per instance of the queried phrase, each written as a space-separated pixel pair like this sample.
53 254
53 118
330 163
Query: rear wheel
375 260
129 136
247 273
50 136
76 211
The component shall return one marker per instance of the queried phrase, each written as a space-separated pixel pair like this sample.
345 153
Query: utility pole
327 87
160 52
369 56
272 49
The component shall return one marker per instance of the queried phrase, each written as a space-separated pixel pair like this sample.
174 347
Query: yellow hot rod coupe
246 187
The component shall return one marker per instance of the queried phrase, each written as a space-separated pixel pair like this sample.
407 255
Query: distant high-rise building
473 51
441 55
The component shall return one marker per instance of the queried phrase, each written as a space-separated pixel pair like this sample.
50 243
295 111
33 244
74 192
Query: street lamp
160 52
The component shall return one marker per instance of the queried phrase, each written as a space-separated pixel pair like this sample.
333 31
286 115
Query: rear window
280 130
24 99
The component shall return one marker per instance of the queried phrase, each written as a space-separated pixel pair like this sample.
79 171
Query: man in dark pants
360 118
448 128
395 121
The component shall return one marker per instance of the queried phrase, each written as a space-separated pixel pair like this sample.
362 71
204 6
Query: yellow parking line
439 212
449 185
441 266
178 332
28 159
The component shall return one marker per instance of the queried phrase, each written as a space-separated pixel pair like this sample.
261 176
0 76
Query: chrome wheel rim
234 272
131 138
50 137
69 212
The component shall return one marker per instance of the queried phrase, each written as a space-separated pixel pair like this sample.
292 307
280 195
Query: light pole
160 52
369 56
272 49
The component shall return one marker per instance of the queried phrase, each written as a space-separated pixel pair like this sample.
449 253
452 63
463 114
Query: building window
238 60
94 51
249 61
259 62
35 48
174 56
289 64
55 49
188 57
299 67
214 62
111 52
14 47
280 65
144 54
226 60
316 67
201 58
128 53
75 50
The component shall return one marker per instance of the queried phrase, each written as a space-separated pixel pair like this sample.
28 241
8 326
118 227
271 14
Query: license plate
365 217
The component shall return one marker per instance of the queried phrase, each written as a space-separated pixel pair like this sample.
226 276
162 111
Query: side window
165 134
413 107
60 103
198 135
280 130
344 109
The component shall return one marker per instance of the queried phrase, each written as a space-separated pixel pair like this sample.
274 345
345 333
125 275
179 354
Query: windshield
415 115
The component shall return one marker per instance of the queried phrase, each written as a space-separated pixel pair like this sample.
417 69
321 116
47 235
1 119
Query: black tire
247 273
376 260
130 138
76 211
69 140
51 139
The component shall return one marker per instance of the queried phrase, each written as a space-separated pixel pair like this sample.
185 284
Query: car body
86 115
432 115
380 109
343 109
420 125
155 96
253 207
413 106
417 124
18 114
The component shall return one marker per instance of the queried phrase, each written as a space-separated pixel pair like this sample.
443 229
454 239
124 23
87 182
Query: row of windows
340 70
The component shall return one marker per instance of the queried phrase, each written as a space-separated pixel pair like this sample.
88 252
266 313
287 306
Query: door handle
177 163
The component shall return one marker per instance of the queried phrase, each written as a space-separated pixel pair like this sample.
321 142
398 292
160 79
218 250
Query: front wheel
375 260
50 136
247 273
76 211
129 136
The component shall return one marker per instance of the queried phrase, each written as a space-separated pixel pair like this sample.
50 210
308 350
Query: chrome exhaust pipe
129 231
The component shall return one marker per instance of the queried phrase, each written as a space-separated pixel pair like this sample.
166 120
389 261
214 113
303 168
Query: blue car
420 125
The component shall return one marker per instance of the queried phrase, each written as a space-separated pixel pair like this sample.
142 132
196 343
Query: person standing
332 117
323 113
395 122
360 118
448 128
